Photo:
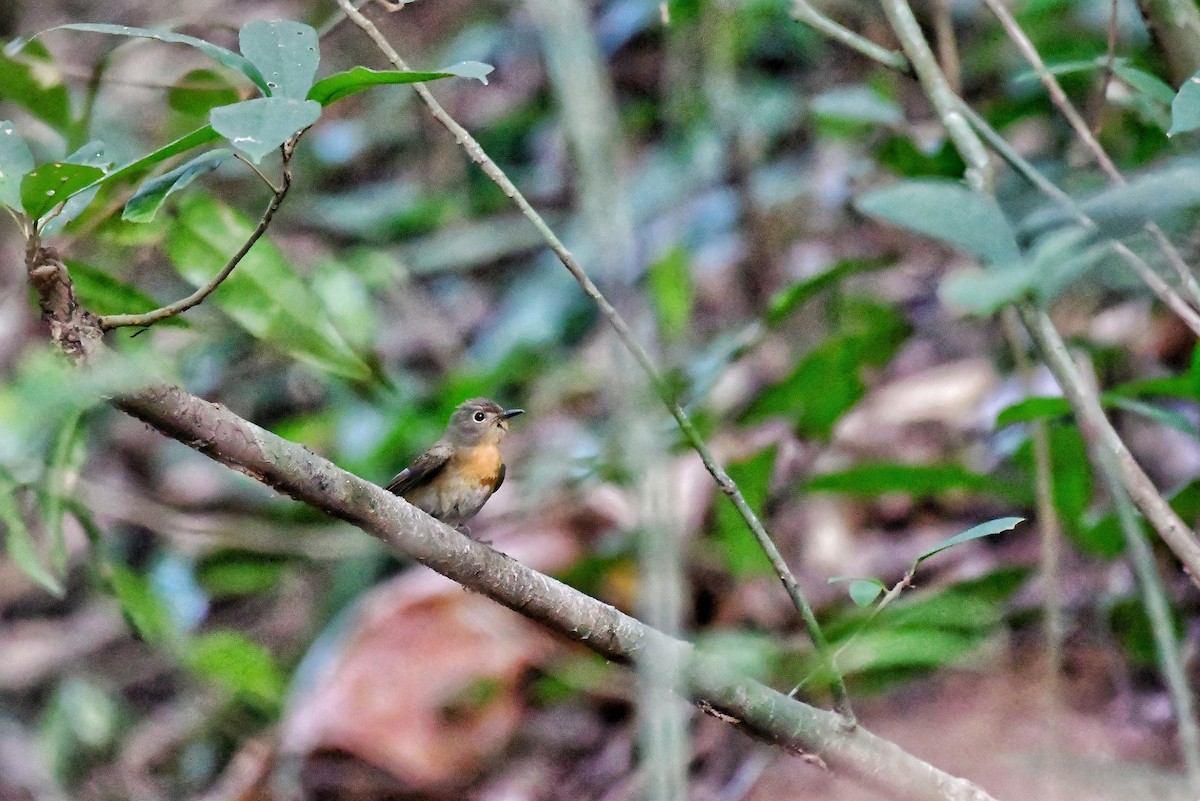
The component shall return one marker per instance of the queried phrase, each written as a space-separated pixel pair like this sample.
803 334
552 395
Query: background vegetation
786 226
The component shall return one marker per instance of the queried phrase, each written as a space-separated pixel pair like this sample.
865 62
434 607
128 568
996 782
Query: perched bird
455 477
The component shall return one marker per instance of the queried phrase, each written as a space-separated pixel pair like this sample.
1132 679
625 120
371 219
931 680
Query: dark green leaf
151 195
1033 409
975 532
877 478
103 294
19 542
146 611
198 91
285 52
237 665
219 54
15 162
45 186
256 127
343 84
948 212
786 301
671 292
92 154
743 555
264 295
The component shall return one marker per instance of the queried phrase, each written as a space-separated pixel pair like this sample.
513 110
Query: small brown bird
455 477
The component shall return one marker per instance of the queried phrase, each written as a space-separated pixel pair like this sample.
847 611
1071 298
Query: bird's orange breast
481 464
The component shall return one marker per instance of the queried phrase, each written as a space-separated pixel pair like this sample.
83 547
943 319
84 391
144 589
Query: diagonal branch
661 386
146 319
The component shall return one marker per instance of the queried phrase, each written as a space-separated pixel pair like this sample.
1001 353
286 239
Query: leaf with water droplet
47 185
285 52
256 127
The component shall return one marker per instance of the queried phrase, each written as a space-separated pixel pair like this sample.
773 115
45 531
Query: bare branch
806 12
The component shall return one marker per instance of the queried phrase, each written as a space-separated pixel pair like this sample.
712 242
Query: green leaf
671 293
1155 414
872 479
285 52
1031 409
103 294
786 301
92 154
150 196
15 162
238 665
34 83
19 542
862 591
264 295
743 556
198 91
984 292
974 533
148 614
343 84
1185 107
46 186
65 456
256 127
948 212
828 381
1149 84
219 54
858 104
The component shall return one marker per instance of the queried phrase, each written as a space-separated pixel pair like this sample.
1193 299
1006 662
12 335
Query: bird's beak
510 413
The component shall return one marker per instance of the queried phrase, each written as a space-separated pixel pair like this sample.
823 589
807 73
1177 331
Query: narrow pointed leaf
342 84
20 544
976 532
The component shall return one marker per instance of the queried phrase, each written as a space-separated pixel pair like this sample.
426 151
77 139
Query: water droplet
49 193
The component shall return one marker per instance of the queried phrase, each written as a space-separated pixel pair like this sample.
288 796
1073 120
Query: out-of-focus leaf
858 104
1030 409
1185 107
747 653
226 575
15 162
264 294
1149 84
1153 413
984 292
786 301
64 457
974 533
256 127
238 665
863 591
671 292
285 52
827 381
948 212
147 613
33 82
219 54
150 196
1130 623
742 553
877 478
103 294
343 84
199 91
19 542
47 185
903 156
1104 538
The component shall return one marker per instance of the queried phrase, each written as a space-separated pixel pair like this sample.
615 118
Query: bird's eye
480 417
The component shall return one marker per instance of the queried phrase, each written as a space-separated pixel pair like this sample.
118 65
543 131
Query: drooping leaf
343 84
47 185
219 54
264 295
285 52
671 292
948 212
19 542
256 127
975 532
984 292
150 196
15 162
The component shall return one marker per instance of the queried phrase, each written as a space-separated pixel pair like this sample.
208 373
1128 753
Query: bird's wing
422 471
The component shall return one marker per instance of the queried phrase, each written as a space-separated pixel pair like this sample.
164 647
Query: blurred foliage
773 181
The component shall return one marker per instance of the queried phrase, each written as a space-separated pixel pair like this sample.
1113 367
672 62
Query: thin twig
947 44
660 385
1106 75
111 321
1097 429
806 12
